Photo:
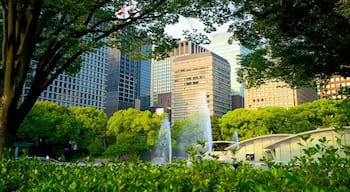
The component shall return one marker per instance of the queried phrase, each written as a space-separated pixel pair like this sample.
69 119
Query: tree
247 123
274 118
293 41
215 129
56 33
50 123
93 123
344 112
132 131
322 112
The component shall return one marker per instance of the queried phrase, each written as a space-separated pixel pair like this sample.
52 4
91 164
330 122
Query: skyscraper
86 88
161 70
194 75
230 49
145 81
128 81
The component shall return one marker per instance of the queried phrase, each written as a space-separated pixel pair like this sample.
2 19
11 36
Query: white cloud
190 24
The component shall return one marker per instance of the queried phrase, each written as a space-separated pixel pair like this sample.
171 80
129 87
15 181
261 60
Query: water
236 143
206 126
196 128
163 149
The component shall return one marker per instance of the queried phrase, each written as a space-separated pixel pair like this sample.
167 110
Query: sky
188 24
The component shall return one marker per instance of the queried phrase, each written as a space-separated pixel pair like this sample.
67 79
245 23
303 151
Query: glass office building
86 88
128 82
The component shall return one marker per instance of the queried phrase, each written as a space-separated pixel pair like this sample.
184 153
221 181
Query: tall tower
220 45
86 88
161 70
125 83
145 81
196 74
230 50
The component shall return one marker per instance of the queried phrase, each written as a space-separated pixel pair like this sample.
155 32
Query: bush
322 168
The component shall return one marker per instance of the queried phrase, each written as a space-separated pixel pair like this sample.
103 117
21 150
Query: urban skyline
88 87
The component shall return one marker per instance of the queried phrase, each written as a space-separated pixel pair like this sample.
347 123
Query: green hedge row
25 175
323 167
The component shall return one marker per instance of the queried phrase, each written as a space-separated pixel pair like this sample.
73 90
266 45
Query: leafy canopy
45 38
132 131
51 122
293 41
322 113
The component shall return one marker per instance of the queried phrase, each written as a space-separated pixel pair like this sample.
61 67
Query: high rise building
200 76
229 50
86 88
335 88
128 82
161 70
277 94
145 81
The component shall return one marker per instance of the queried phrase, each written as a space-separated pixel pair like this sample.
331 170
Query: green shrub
322 168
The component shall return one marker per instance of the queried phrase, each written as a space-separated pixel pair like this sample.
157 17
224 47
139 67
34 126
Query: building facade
229 50
86 88
284 150
204 76
275 93
128 82
161 70
145 81
336 88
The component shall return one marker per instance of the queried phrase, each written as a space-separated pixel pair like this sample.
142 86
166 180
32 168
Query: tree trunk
8 125
18 44
6 137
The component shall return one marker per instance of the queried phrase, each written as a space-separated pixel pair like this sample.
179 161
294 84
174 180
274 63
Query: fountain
236 144
197 128
163 148
204 121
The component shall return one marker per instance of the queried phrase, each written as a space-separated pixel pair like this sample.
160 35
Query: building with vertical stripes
86 88
128 82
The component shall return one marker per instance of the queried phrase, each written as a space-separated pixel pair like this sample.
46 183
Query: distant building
336 88
196 76
161 70
277 94
223 45
164 101
145 81
86 88
237 101
128 82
